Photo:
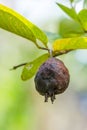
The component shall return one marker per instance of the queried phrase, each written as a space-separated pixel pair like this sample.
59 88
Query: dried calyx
52 78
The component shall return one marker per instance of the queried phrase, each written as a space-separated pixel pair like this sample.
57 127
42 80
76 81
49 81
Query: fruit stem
51 53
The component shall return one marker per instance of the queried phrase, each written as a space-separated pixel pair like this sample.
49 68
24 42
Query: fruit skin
52 78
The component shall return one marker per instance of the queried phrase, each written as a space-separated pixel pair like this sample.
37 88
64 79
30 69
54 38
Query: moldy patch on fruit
52 78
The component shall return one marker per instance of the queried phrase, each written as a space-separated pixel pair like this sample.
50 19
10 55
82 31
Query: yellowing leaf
70 44
16 23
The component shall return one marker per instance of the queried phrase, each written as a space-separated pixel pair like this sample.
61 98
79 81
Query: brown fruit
52 78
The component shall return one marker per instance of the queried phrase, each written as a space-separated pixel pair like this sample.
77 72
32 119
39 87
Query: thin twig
43 48
51 53
17 66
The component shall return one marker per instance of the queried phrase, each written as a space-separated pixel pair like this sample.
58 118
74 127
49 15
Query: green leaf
83 18
76 1
31 68
70 11
71 1
15 23
70 44
85 4
70 28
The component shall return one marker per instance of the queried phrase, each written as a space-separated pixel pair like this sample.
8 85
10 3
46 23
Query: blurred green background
21 107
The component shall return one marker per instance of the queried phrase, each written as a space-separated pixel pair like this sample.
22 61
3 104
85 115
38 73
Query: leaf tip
23 77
